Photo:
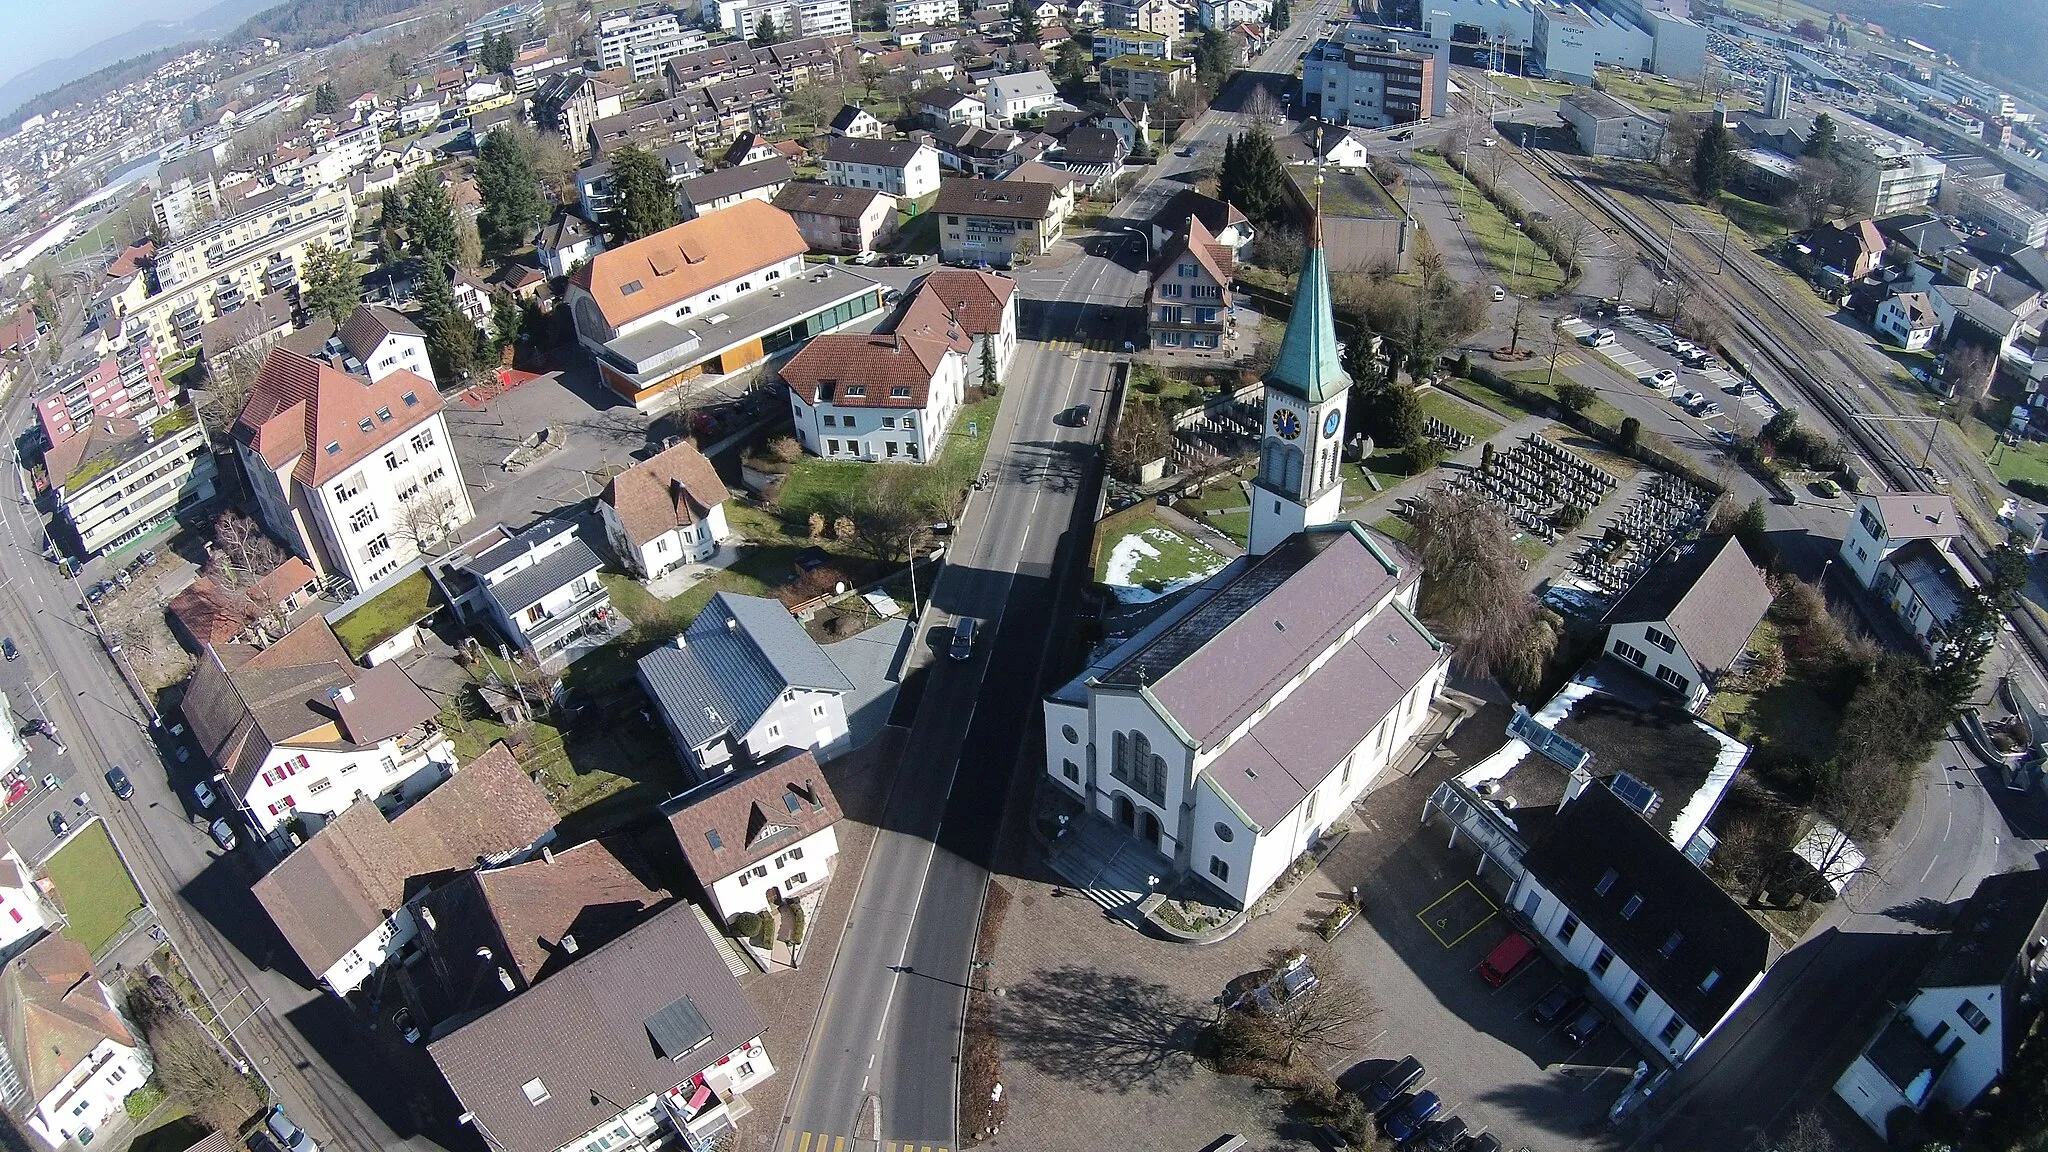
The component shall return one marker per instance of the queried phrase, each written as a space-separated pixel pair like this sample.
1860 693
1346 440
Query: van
287 1133
1506 958
1499 293
963 639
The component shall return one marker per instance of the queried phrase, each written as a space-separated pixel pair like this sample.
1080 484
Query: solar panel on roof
1545 739
678 1028
1633 792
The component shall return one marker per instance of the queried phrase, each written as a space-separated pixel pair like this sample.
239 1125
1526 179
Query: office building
1347 74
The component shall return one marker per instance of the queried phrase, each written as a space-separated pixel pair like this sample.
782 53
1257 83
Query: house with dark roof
643 1036
1885 523
1190 303
382 341
745 681
537 588
666 511
760 839
1666 953
346 900
1226 735
1226 223
1851 247
297 732
949 107
726 187
978 151
1955 1031
1686 621
72 1058
1907 320
856 122
996 221
1924 232
1927 590
907 168
566 241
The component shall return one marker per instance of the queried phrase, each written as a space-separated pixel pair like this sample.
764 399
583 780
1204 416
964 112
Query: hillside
1996 39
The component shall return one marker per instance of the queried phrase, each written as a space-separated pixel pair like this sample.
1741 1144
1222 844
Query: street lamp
1144 238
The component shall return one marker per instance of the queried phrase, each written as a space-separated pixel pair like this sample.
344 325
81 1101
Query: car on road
1489 142
1185 150
58 825
1584 1027
402 1021
1385 1091
288 1134
222 834
9 650
1556 1004
1403 134
203 793
118 781
963 639
1407 1120
1079 414
892 295
1683 348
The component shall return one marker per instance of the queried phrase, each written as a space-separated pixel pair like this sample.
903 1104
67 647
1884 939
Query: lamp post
1144 238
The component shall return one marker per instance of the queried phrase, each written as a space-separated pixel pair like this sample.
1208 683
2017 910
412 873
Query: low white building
1885 523
761 839
1907 320
1927 590
1685 622
71 1057
566 241
743 682
903 168
857 122
537 587
1959 1025
665 512
1014 95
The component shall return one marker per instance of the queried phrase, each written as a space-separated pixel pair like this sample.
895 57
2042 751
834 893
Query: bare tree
1262 108
1968 370
243 552
230 376
1573 234
1328 1016
1472 580
1143 435
1808 1132
1522 306
423 519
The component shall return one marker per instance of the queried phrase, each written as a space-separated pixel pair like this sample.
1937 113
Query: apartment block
119 479
126 383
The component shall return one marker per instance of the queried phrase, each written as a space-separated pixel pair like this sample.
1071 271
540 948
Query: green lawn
1762 223
1789 719
1600 411
1522 266
405 603
1154 556
94 886
1460 416
1394 528
2028 462
1222 506
1493 401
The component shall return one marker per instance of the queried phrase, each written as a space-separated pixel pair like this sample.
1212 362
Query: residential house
1661 946
648 1035
1066 185
381 341
1927 590
297 732
984 152
1334 146
472 297
1970 317
118 479
1189 304
666 511
1885 523
566 241
1145 79
707 297
353 475
1924 232
727 187
749 147
346 901
1685 622
931 12
845 221
1095 153
857 123
124 383
1954 1033
28 913
1130 120
249 331
902 168
1907 320
594 180
759 840
878 396
72 1057
1162 736
981 305
1226 223
942 108
1852 248
537 588
997 221
743 682
1013 96
1110 43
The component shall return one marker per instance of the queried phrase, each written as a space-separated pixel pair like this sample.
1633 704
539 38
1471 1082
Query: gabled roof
1843 243
1712 598
1093 146
1020 86
1919 310
1597 832
1008 199
208 613
732 823
532 584
828 199
676 487
301 409
1215 215
690 258
566 230
345 881
880 153
369 325
946 98
54 1012
539 915
733 661
539 1070
712 187
891 370
2006 913
974 300
847 115
1195 242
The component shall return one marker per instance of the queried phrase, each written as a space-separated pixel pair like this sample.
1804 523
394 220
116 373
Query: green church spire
1309 364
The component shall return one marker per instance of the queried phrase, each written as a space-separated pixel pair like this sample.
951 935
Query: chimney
547 854
569 944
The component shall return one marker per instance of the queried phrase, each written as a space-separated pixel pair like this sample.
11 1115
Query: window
1660 639
892 446
1568 929
318 786
1674 679
386 762
1671 943
831 421
1633 906
899 392
630 287
1606 882
1708 981
392 460
1637 995
1205 315
856 390
378 546
411 399
423 440
362 518
831 446
711 838
1219 868
1672 1028
888 421
774 731
846 421
1629 652
1602 962
537 1092
1973 1016
348 489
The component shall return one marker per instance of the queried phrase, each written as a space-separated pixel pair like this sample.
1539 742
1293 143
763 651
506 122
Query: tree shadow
1102 1031
1921 912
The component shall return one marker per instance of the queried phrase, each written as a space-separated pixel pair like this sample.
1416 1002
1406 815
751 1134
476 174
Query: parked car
1445 1135
119 782
1688 400
1407 1120
402 1020
8 649
222 834
1598 338
58 825
1708 409
1386 1090
1185 150
1499 293
1827 487
1507 958
203 793
1483 1142
1661 379
288 1134
1740 388
1586 1026
1558 1003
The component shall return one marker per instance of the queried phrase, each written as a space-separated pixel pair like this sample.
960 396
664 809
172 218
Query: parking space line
1440 923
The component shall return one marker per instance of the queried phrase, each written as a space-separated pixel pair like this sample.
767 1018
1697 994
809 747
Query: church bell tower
1306 391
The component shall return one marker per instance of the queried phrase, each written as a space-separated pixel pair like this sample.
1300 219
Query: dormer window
536 1092
365 424
411 399
383 413
900 392
1607 882
334 448
856 390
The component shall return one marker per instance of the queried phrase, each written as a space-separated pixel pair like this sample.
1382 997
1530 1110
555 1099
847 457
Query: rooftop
1995 929
1711 595
651 274
740 819
732 662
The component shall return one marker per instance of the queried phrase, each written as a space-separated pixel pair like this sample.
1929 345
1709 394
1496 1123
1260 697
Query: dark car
1484 1142
1388 1088
8 649
1585 1026
58 825
1445 1135
1558 1004
1407 1120
119 782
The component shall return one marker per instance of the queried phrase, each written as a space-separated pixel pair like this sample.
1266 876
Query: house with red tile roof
1189 304
666 511
758 839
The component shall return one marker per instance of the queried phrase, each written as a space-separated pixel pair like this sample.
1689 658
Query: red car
17 787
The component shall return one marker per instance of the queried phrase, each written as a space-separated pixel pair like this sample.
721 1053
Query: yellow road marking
1439 923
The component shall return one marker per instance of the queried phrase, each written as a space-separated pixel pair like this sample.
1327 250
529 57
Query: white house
1231 731
1687 619
353 475
382 341
1927 590
1012 95
298 730
1907 320
1667 952
666 511
537 587
745 681
950 108
345 900
1958 1026
857 122
23 914
1885 523
759 839
902 168
877 396
566 241
72 1056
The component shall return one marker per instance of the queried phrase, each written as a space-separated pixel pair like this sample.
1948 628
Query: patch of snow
1120 574
1125 557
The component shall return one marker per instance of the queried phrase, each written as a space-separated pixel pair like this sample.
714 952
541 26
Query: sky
39 30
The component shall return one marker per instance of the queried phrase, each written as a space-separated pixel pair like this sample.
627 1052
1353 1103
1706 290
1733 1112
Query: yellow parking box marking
1457 913
788 1140
1566 360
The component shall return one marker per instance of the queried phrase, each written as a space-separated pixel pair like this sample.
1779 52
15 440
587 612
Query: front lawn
1790 720
94 887
1149 555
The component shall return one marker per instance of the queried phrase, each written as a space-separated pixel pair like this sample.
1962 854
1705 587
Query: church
1236 727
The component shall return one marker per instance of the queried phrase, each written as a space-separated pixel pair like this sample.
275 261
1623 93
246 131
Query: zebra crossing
1068 344
795 1141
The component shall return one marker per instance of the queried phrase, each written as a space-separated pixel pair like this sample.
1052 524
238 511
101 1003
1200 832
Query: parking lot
1642 348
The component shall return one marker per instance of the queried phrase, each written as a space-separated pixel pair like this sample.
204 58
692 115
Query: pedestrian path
794 1141
1068 344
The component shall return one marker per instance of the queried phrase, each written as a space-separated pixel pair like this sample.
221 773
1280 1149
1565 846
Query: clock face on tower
1287 424
1330 423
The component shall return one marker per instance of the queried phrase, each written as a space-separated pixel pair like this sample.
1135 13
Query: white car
1598 338
1689 400
1661 378
1683 348
1499 293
